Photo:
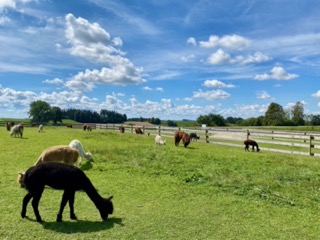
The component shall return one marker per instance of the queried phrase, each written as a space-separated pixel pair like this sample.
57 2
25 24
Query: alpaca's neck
92 193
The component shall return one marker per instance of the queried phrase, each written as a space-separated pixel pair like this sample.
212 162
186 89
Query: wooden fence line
307 141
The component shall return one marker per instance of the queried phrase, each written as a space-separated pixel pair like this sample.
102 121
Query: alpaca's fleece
17 130
77 145
61 153
40 129
159 141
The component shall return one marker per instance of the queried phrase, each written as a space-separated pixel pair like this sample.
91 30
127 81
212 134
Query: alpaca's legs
25 202
71 206
65 199
35 204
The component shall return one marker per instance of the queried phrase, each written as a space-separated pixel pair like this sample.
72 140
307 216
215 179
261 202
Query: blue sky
171 59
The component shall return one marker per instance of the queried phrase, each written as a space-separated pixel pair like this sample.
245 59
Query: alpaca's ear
109 198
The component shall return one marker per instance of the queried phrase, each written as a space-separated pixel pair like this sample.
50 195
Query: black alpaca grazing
64 177
253 143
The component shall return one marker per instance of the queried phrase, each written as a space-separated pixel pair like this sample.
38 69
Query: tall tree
40 112
275 115
298 114
56 113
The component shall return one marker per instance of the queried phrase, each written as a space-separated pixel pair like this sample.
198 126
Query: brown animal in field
69 126
9 125
62 153
250 142
185 139
138 130
86 127
177 137
121 129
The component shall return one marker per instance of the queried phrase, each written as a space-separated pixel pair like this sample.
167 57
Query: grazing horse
251 142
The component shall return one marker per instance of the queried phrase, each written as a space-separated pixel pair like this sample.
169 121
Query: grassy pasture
202 192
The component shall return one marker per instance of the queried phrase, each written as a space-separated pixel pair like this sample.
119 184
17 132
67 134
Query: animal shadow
81 226
87 166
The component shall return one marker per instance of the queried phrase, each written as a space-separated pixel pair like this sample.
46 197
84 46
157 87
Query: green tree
275 115
40 112
56 113
298 114
212 120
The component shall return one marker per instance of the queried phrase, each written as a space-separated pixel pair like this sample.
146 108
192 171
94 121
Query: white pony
77 145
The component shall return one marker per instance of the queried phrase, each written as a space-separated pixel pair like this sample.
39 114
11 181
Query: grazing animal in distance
121 129
40 128
177 137
69 126
138 130
194 137
159 141
76 144
251 142
17 130
186 139
63 177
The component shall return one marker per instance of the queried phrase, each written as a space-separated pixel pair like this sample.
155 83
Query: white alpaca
40 129
159 141
77 145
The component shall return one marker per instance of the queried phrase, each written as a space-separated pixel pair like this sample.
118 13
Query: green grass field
201 192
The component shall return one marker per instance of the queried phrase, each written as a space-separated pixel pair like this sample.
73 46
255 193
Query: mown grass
202 192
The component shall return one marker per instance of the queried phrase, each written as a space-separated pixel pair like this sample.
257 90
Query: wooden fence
302 143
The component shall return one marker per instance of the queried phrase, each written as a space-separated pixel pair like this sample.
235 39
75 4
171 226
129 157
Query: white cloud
56 81
147 88
219 57
187 58
90 41
217 84
264 95
316 94
192 41
235 42
277 73
211 95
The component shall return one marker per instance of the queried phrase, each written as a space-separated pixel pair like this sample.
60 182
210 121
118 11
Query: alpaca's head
20 178
88 156
106 208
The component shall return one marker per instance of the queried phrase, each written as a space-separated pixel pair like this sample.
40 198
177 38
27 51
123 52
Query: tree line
42 112
274 116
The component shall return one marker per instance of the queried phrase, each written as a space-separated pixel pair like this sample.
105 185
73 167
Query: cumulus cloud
192 41
234 42
211 95
316 94
56 81
277 73
92 42
217 84
222 57
219 57
264 95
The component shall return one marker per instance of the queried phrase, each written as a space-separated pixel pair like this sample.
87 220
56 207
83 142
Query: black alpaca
64 177
252 143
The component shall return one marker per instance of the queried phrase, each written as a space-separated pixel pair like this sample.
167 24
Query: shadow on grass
81 226
87 166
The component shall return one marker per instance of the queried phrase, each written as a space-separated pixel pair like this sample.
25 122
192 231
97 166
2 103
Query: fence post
159 130
311 146
207 137
248 133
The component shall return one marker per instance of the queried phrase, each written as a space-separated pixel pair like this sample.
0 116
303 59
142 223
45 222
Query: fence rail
301 143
